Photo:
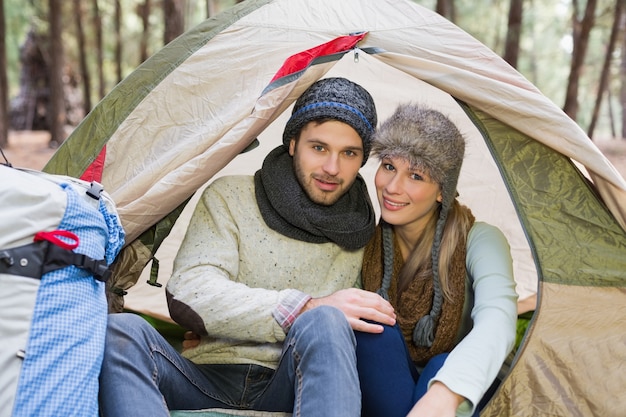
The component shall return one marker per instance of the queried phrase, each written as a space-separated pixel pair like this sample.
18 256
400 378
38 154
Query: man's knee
125 330
125 321
326 322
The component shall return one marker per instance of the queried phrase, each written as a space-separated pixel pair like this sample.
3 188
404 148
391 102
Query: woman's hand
191 340
438 401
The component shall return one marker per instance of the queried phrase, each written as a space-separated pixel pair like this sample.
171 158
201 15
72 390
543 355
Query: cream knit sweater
233 271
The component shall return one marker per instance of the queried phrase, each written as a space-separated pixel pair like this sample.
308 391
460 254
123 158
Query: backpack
58 237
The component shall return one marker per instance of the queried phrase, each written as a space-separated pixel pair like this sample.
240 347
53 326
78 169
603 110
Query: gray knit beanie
335 98
431 143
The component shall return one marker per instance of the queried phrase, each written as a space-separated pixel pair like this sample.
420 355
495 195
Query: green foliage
545 47
18 15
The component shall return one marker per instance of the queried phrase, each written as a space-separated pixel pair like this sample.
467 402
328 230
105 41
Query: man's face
326 157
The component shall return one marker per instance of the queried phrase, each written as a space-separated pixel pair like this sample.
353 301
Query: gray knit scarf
287 209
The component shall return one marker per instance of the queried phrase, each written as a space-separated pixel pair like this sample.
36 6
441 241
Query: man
265 275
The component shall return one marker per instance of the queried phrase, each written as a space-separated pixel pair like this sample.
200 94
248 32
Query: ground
29 149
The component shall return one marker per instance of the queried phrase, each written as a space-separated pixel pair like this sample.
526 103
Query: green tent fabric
185 116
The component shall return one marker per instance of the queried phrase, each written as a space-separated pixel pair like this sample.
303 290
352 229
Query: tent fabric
184 116
571 364
191 93
558 205
487 204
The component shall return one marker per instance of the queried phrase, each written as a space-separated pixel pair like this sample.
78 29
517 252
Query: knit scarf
416 301
287 209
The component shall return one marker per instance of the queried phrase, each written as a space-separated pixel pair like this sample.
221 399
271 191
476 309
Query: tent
187 115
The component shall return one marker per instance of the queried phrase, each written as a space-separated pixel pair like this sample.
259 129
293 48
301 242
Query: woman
448 277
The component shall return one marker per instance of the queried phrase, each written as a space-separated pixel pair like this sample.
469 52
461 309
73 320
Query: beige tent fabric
215 100
210 97
489 204
223 128
556 363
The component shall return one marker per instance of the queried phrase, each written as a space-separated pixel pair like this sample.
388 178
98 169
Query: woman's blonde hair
418 264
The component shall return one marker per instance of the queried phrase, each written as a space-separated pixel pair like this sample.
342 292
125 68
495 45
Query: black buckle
38 258
99 269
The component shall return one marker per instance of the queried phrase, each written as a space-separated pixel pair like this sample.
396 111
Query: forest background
58 58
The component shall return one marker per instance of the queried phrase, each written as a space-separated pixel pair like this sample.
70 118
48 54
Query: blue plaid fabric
59 376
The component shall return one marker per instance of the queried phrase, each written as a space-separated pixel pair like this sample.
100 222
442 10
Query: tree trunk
604 75
82 57
118 39
29 110
97 24
174 18
446 9
580 37
609 100
622 94
144 15
4 85
513 34
56 112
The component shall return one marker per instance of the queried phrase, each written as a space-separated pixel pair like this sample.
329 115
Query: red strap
301 60
54 237
94 170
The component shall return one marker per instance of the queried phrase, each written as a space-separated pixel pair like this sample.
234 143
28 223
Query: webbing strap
38 258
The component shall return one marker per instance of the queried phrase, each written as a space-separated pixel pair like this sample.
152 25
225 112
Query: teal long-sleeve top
487 334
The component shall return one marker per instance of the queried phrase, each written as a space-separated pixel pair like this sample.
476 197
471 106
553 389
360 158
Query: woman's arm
439 401
474 363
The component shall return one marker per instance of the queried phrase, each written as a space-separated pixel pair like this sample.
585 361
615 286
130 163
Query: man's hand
358 305
191 340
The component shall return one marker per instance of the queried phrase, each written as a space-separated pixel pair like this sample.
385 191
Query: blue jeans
390 382
143 375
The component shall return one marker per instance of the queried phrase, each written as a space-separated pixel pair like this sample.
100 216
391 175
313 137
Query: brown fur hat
427 139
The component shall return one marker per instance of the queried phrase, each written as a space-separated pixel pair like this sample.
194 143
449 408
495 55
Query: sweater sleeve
474 363
204 294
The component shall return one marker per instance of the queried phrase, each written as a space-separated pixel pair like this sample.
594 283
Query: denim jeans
143 375
389 380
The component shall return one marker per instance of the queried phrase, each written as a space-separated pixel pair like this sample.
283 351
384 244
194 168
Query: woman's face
407 197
